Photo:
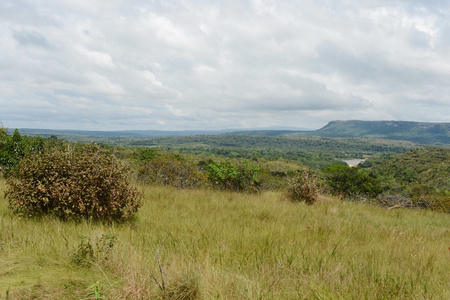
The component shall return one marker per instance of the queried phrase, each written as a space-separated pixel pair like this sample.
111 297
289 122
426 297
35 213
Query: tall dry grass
203 244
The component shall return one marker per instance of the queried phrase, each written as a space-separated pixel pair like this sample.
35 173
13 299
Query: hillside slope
418 132
428 166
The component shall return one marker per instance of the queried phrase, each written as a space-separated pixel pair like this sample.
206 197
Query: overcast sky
205 64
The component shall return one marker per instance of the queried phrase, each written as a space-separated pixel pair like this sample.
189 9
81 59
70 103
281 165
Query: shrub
88 252
225 176
87 183
168 171
351 181
303 187
435 202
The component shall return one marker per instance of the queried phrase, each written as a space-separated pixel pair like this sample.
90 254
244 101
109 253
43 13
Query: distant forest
336 141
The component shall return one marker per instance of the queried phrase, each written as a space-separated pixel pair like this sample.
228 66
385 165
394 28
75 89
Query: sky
205 64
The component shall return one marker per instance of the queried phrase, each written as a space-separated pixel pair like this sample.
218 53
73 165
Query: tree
350 181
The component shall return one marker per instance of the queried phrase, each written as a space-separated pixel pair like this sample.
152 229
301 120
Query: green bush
168 171
14 147
86 183
351 181
303 187
226 176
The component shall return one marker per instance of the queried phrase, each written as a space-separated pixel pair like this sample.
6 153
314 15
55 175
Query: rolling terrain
416 132
211 242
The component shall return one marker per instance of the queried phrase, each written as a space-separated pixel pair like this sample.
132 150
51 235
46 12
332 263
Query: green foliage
351 181
88 252
417 178
226 176
170 171
14 147
96 291
84 255
314 152
427 166
86 183
146 154
303 187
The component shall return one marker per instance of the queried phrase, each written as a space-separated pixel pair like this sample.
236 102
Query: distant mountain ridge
417 132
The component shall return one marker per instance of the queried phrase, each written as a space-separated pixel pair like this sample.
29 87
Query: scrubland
207 244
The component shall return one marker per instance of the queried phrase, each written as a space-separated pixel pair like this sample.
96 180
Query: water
354 162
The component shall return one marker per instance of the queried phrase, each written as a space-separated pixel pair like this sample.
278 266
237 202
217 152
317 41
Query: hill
427 167
417 132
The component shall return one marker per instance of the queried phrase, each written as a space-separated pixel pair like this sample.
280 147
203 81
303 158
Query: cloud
30 38
216 64
100 59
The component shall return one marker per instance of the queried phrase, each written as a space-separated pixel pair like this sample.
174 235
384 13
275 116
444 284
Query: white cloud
175 111
98 58
216 64
151 78
101 84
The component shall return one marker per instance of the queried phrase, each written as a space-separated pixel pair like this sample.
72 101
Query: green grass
232 246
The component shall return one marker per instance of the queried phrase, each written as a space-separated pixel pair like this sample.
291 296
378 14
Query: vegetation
351 181
417 132
168 171
303 187
87 183
240 229
417 178
314 152
225 176
310 151
14 147
426 166
214 244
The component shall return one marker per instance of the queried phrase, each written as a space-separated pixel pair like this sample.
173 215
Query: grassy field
203 244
